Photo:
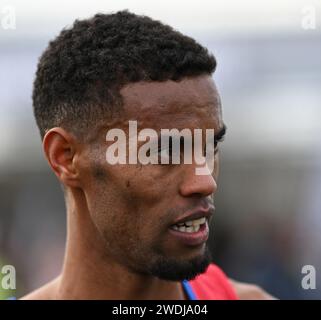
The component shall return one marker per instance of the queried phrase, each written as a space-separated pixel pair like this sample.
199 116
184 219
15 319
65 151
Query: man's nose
192 183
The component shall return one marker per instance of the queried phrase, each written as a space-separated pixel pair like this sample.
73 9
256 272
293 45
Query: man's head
100 74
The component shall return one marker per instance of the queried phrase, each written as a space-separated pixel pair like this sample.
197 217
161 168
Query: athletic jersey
210 285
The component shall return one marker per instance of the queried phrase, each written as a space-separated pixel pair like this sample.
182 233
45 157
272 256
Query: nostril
204 185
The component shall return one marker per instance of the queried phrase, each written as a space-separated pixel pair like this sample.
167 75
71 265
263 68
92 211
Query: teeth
199 221
182 229
196 228
190 226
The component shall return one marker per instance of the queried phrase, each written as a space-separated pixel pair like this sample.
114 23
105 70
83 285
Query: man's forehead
143 94
194 97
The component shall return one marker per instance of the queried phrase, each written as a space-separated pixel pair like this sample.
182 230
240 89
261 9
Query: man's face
134 206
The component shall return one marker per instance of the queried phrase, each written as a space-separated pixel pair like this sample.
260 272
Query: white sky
225 16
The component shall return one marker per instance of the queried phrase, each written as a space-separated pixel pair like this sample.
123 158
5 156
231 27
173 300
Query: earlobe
60 149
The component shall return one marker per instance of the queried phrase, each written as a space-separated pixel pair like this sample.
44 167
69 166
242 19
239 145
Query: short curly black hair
80 73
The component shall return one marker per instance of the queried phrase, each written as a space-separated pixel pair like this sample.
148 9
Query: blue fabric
188 290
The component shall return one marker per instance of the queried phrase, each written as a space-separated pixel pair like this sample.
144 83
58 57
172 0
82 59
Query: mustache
206 204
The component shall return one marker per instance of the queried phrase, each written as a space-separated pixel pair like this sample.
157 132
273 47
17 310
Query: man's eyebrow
221 133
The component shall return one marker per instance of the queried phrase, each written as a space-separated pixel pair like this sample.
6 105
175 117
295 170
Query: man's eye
171 153
164 155
164 151
216 146
208 149
217 141
167 150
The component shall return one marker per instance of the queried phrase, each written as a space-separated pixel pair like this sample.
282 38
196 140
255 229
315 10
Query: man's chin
177 269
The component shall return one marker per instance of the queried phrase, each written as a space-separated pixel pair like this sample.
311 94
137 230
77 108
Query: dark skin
119 215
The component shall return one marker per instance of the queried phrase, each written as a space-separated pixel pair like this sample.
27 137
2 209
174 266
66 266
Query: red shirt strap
213 284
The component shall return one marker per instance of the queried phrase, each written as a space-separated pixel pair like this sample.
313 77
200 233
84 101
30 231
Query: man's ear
60 149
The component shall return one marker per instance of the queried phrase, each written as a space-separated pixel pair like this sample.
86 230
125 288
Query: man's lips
196 214
191 238
189 235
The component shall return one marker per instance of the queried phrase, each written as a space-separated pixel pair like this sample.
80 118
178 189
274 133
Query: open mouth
191 232
190 226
